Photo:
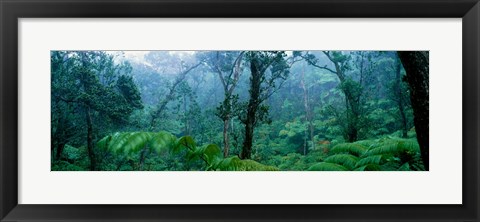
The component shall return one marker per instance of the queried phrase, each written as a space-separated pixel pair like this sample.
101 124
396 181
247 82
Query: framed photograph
226 110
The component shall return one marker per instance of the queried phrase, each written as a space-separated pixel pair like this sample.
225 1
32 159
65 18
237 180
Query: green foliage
369 167
129 91
327 167
66 166
350 148
162 142
211 154
72 159
346 160
369 160
131 143
387 153
394 146
236 164
353 99
72 153
185 142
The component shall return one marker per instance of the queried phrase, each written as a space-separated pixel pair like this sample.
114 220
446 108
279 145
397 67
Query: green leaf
327 167
162 142
236 164
136 142
212 153
404 167
369 160
118 142
369 167
133 142
185 142
349 148
394 146
104 143
346 160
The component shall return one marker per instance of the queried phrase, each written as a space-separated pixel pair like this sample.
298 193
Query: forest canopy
239 110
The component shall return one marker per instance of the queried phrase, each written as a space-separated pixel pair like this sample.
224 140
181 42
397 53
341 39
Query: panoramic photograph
239 110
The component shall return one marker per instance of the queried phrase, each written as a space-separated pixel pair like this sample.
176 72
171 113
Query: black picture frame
12 10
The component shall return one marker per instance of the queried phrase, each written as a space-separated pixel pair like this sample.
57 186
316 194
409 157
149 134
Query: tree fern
366 143
369 167
162 142
327 167
404 167
369 160
133 142
136 142
349 148
185 142
388 153
346 160
394 146
126 142
236 164
210 154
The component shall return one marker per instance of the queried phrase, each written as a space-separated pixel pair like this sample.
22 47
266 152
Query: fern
327 167
388 153
162 142
404 167
366 143
136 142
349 148
133 142
104 143
211 155
236 164
369 160
185 142
394 146
120 142
369 167
346 160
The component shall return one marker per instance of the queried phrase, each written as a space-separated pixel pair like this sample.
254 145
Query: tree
64 119
308 113
180 77
351 87
267 69
416 64
228 66
399 96
98 88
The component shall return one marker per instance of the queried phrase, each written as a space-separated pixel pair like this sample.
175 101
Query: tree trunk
248 142
253 103
91 152
416 65
60 137
399 96
352 103
186 127
226 144
352 134
308 114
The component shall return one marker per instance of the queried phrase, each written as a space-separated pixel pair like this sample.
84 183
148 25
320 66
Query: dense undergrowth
163 151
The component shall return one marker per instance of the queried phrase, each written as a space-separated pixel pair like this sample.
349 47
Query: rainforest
239 110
